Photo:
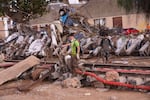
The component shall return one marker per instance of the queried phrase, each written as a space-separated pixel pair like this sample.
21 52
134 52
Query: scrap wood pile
47 43
23 44
33 69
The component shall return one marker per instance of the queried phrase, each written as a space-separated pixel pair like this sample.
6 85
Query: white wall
73 1
4 27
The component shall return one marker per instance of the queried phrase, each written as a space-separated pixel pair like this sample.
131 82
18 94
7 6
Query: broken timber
117 65
16 70
28 86
6 64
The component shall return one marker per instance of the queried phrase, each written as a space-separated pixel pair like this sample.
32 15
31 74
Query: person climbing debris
106 47
75 52
64 17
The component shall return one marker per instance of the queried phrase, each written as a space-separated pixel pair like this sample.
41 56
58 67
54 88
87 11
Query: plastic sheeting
121 43
53 35
143 49
73 1
20 39
36 46
11 37
134 44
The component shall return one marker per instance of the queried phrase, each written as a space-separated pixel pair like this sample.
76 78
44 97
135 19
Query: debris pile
47 44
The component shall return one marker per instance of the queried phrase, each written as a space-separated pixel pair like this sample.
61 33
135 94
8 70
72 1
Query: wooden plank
16 70
6 64
45 62
116 65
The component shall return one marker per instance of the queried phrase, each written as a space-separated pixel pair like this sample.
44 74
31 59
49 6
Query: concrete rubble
112 76
71 83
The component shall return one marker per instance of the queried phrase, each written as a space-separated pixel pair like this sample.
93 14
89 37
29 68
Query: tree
139 6
22 10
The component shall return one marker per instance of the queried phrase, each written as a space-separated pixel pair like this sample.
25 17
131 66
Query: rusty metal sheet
16 70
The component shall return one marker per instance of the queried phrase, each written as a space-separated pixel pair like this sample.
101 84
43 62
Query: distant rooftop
101 8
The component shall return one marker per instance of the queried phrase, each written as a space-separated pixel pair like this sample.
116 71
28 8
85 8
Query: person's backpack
105 40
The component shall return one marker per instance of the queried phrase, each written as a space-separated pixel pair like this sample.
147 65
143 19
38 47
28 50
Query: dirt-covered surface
51 91
126 60
48 91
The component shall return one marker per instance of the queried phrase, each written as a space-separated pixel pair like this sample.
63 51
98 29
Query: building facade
109 14
137 21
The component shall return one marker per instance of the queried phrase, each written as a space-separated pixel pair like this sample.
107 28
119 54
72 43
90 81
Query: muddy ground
51 91
48 91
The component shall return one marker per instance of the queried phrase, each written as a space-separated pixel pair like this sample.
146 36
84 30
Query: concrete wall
137 21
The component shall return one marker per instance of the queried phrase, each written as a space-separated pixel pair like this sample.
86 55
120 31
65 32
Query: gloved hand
78 57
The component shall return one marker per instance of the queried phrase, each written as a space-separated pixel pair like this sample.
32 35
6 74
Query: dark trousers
105 55
74 64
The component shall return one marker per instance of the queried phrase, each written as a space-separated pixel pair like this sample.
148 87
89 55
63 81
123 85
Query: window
117 22
100 22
